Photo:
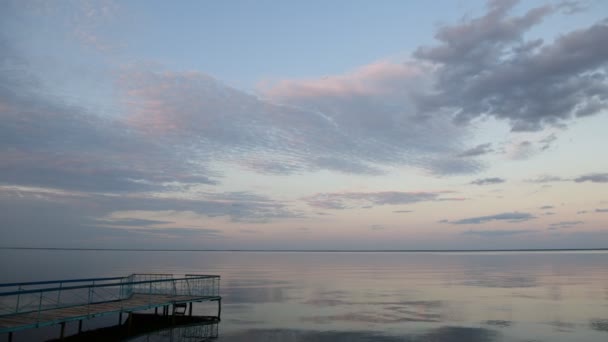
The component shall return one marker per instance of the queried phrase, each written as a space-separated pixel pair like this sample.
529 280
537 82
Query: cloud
380 115
547 141
545 179
581 212
402 211
593 177
237 206
601 210
564 224
376 227
318 127
546 207
349 200
494 233
513 217
47 142
522 150
248 231
477 150
487 181
131 222
486 67
177 232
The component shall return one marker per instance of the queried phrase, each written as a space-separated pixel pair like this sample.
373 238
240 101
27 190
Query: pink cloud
378 78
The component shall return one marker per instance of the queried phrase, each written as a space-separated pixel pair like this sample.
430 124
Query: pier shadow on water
151 327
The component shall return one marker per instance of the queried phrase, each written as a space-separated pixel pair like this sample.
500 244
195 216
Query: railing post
18 297
89 301
39 308
59 293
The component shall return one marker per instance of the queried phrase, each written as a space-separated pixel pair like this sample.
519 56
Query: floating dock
46 303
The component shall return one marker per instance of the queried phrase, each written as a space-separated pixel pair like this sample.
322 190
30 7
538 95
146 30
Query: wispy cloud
545 179
478 150
601 210
495 233
488 181
546 207
402 211
593 177
564 224
349 200
513 217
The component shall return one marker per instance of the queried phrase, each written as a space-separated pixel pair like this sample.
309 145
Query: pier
45 303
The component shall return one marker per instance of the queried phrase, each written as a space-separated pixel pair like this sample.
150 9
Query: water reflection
187 333
507 297
599 324
443 334
381 312
499 323
151 327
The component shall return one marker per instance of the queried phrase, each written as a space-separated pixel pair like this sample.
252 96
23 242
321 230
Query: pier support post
190 309
10 336
156 311
120 318
79 326
219 309
130 319
62 333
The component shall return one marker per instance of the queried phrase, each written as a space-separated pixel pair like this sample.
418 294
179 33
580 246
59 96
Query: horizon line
303 250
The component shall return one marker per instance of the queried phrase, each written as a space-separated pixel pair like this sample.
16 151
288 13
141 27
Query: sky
304 124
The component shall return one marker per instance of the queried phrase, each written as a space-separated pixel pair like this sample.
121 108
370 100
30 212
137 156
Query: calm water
271 296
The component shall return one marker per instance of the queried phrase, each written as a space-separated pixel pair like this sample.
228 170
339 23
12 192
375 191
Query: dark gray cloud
601 210
488 181
477 150
593 177
486 67
512 217
350 200
493 233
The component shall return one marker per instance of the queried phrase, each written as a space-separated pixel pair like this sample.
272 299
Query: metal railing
17 298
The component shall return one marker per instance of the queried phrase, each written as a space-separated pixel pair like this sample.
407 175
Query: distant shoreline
310 250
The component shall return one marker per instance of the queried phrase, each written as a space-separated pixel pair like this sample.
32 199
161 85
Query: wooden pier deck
52 302
137 302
